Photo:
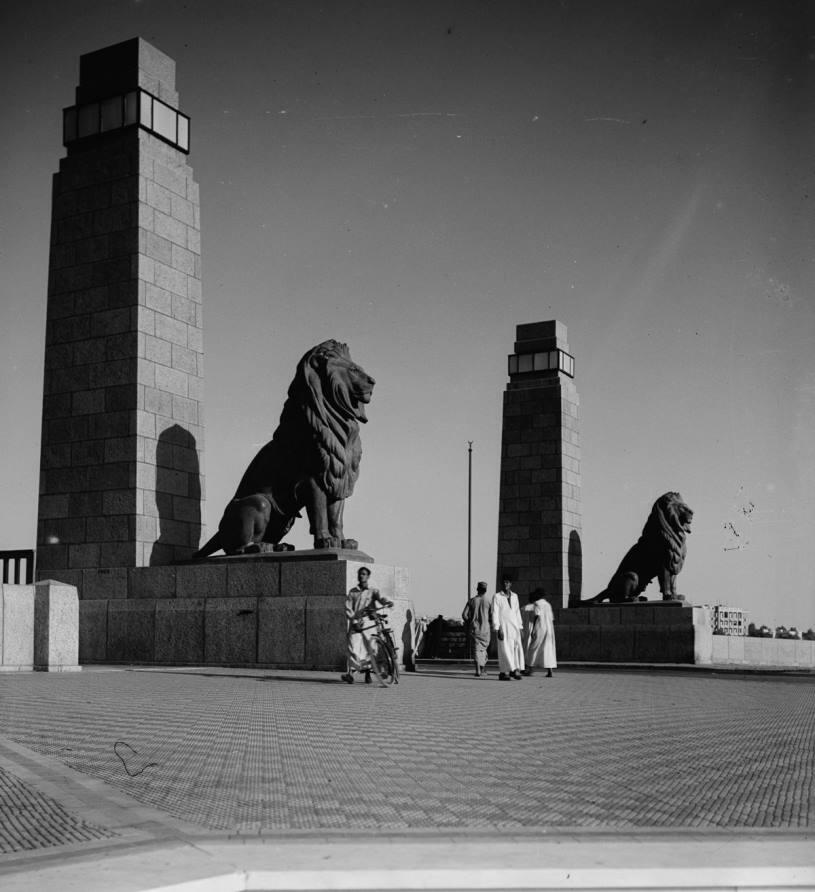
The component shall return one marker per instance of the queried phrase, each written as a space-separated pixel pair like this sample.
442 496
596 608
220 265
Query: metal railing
18 560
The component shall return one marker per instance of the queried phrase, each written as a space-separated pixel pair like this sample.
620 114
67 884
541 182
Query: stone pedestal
284 609
642 632
56 627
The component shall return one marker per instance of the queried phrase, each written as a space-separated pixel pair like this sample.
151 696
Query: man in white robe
540 634
507 622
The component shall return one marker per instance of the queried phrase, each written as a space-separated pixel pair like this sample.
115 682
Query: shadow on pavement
237 673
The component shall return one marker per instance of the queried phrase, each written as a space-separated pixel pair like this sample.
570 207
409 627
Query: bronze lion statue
311 462
659 552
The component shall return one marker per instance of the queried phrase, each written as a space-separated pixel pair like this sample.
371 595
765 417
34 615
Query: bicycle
381 647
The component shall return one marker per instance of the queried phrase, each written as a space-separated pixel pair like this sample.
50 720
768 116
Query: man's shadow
575 564
409 642
178 496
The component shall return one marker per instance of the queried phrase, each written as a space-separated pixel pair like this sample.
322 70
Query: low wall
16 627
776 652
277 610
39 627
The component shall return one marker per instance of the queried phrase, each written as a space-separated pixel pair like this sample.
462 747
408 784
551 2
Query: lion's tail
211 547
597 598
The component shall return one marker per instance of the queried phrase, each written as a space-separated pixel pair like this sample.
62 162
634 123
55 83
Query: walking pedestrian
540 634
507 622
476 616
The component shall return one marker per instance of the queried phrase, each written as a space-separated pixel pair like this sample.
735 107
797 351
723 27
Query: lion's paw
351 544
327 542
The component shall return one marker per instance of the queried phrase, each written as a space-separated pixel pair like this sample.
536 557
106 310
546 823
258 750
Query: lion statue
660 551
311 462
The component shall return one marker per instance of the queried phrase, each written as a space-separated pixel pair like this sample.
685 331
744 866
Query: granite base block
204 581
282 631
179 634
16 627
56 627
324 578
259 580
571 616
664 644
563 641
606 616
103 583
131 631
230 630
325 632
145 582
93 631
616 644
584 643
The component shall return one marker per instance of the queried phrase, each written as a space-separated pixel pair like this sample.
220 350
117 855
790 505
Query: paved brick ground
253 752
31 820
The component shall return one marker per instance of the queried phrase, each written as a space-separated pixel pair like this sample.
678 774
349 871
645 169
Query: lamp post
469 517
469 537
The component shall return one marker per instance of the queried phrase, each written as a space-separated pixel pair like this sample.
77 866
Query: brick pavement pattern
250 751
31 820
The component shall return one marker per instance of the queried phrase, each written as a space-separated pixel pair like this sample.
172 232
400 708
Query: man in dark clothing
476 618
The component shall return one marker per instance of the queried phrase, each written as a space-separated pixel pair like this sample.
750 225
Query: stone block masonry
278 609
121 483
540 506
650 632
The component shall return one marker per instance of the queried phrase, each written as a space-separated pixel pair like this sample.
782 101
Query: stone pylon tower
120 472
540 508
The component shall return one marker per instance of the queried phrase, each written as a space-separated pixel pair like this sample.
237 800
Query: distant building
728 620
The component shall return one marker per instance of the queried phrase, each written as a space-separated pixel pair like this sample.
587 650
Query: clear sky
416 178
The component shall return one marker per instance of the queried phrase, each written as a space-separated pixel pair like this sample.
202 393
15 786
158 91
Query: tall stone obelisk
120 472
540 507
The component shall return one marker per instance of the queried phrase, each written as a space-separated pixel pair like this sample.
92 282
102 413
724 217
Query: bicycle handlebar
375 612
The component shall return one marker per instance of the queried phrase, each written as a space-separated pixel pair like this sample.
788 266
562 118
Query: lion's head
327 378
330 391
669 525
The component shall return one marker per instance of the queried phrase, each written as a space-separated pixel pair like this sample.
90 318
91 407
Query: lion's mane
665 534
319 413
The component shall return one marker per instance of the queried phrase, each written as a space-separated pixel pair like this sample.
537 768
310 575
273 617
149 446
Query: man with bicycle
360 600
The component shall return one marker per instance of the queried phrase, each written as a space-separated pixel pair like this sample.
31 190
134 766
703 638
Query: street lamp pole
469 517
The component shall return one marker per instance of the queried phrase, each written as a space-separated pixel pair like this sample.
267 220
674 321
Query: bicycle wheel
387 643
384 664
395 662
373 649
